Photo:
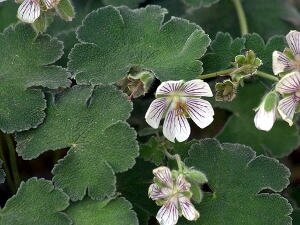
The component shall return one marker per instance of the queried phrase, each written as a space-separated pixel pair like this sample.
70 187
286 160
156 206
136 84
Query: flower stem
12 159
241 15
267 76
216 74
9 178
174 157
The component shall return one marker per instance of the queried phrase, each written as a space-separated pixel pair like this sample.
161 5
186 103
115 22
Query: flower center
296 62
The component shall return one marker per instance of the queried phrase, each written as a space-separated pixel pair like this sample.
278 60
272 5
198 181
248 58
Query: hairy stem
174 157
241 15
216 74
267 76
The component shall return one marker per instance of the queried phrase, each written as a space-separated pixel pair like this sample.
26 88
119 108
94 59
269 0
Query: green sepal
197 193
41 24
226 91
289 53
195 176
65 10
271 101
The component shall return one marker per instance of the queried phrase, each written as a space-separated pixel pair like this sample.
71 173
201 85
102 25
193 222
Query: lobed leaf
92 124
112 40
237 178
113 212
129 3
25 69
264 50
37 202
223 51
278 142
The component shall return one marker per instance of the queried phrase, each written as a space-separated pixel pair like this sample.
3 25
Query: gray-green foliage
91 122
223 51
115 39
240 128
25 69
107 212
37 202
237 176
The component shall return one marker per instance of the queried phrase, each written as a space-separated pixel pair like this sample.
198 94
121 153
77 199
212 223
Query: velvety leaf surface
24 68
92 125
237 176
223 51
2 173
200 3
8 11
264 50
37 202
115 39
108 212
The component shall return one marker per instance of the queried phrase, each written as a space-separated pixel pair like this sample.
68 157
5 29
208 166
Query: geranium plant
127 112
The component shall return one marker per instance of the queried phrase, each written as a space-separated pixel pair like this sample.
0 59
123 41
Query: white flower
289 86
175 101
265 115
173 194
290 59
30 10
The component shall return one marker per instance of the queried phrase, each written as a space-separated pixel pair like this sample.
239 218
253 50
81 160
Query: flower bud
65 10
246 64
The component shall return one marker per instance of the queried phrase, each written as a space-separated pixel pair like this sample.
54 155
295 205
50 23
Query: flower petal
50 3
164 175
281 63
293 40
197 88
287 107
155 112
290 83
176 125
181 184
168 87
168 213
200 111
29 11
187 208
155 192
264 120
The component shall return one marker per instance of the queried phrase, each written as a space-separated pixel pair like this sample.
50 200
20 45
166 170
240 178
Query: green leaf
37 202
200 3
92 124
152 151
2 173
24 68
127 38
237 177
278 142
129 3
264 50
8 12
134 185
223 51
113 212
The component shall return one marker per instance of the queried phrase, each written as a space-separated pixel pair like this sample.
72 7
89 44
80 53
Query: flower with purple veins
176 101
30 10
288 60
173 193
289 87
